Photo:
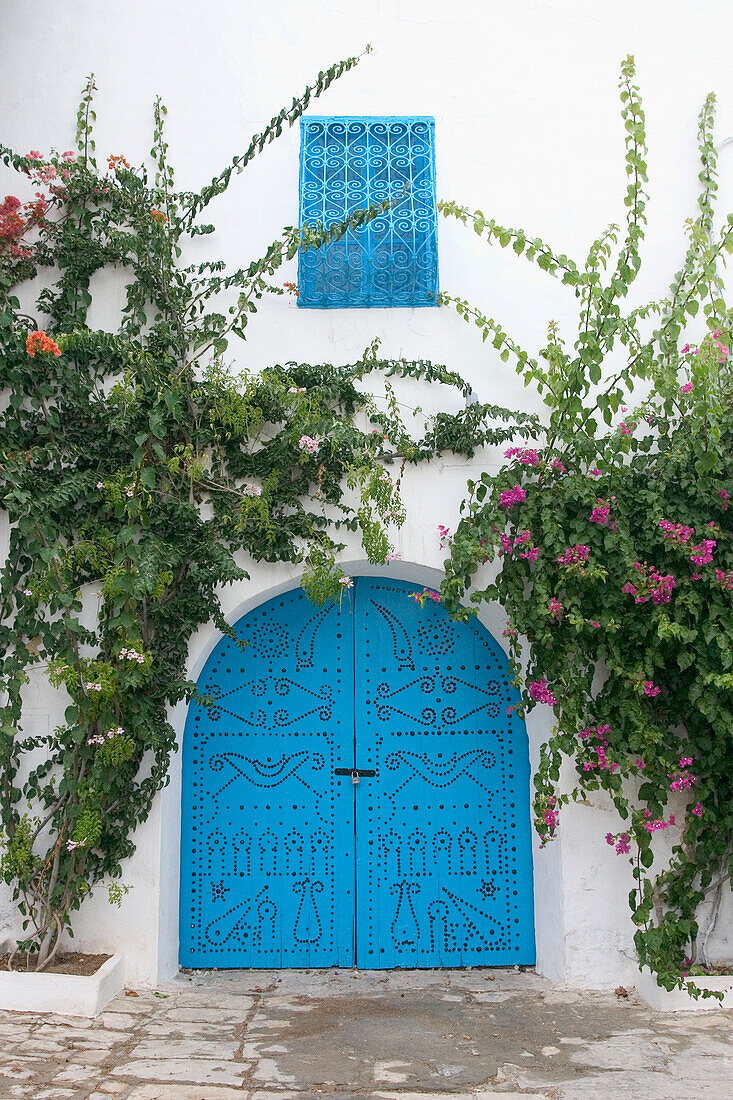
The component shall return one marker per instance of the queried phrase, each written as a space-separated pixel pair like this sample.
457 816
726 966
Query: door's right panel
444 868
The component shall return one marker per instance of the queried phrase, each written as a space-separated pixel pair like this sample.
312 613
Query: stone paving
398 1035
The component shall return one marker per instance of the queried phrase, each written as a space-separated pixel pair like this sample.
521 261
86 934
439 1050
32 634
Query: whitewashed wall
525 100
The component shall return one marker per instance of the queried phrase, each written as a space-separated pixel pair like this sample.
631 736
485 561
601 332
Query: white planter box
679 1000
66 994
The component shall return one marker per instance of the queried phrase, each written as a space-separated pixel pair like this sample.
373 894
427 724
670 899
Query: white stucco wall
525 100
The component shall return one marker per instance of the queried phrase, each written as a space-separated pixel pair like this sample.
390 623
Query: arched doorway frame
549 922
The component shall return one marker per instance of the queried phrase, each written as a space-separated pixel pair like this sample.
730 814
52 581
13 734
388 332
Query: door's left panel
267 837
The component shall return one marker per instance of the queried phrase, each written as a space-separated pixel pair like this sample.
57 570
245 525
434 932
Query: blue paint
348 164
426 864
267 840
444 865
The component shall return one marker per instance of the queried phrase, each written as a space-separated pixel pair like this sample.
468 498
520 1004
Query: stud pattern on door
267 838
424 860
444 872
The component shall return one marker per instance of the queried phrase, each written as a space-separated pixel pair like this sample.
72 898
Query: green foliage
623 624
139 472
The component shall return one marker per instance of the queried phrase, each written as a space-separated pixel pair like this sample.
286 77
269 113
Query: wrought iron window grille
352 163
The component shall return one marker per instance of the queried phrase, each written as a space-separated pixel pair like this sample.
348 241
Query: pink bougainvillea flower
676 532
307 443
600 513
513 496
654 825
527 455
540 692
595 472
575 555
426 594
697 809
559 466
626 429
555 608
650 689
687 388
703 552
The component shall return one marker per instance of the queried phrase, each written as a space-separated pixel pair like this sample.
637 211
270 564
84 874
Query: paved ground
385 1036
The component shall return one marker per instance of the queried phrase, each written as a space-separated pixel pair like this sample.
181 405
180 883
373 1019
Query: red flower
39 342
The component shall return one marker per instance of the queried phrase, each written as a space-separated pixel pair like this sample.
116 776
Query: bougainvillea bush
140 472
613 536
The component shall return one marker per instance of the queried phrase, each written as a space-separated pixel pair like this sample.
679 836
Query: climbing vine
607 539
141 470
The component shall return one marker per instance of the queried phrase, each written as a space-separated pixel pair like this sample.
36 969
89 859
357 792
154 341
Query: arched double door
356 793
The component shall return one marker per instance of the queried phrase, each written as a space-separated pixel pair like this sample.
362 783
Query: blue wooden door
426 862
267 838
444 865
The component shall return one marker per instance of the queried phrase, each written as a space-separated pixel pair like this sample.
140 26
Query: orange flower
115 163
293 288
39 342
158 215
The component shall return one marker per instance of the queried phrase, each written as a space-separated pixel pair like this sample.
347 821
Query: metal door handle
355 773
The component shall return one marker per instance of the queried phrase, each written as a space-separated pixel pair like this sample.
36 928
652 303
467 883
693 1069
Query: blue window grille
348 164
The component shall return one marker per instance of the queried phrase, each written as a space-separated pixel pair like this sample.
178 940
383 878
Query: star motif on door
218 891
487 889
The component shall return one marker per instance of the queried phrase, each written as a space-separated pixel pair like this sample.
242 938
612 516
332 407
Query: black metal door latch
355 773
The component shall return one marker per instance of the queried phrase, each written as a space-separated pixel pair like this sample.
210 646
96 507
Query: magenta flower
575 555
697 809
676 532
595 472
703 552
527 456
540 692
558 465
622 847
510 497
626 429
682 782
600 513
687 388
555 608
531 554
652 826
650 689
